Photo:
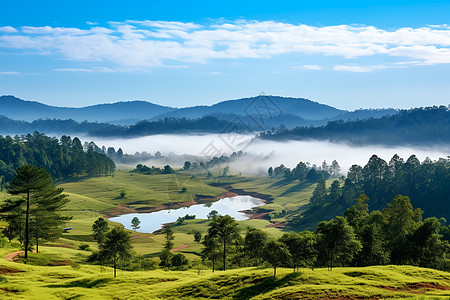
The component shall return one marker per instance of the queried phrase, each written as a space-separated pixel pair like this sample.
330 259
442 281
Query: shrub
85 247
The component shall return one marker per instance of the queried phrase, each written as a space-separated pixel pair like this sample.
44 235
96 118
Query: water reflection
232 206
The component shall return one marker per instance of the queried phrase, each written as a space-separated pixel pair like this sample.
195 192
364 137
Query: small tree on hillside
36 187
301 246
99 229
337 241
254 242
165 254
117 246
135 222
226 230
276 253
211 250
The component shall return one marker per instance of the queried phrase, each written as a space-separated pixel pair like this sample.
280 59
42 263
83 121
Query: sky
347 54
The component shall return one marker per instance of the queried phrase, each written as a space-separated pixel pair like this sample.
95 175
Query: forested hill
420 126
259 113
119 113
63 158
207 124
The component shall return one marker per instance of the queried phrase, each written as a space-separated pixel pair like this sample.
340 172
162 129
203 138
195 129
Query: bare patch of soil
6 270
179 248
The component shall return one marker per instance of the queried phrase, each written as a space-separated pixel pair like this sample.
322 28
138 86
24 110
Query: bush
3 242
140 263
179 260
85 247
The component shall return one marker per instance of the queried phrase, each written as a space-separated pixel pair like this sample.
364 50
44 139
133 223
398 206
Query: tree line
62 158
305 172
425 183
166 125
413 126
395 235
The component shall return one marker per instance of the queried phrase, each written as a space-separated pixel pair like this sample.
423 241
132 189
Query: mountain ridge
272 111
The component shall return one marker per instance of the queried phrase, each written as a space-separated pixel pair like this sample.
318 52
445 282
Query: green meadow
81 281
60 270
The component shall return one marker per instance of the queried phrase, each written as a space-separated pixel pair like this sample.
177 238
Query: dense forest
62 158
142 128
415 126
425 183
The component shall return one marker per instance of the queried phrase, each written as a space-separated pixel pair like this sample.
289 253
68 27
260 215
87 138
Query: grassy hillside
18 281
100 196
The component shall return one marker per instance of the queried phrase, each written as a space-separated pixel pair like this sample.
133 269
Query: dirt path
179 248
10 256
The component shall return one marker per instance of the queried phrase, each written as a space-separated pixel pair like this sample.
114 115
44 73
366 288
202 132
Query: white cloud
310 67
146 44
353 68
8 29
9 73
95 69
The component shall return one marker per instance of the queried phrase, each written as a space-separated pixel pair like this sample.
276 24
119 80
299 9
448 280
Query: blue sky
348 54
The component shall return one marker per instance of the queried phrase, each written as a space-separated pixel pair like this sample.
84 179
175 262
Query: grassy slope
86 282
92 198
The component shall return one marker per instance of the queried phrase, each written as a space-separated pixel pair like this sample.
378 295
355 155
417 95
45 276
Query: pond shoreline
124 209
242 209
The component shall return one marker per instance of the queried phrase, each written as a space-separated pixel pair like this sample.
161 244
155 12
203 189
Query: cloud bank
140 45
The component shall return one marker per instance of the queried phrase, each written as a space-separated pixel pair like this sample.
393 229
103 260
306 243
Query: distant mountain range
260 113
116 113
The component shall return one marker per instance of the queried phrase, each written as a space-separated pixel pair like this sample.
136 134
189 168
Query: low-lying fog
263 153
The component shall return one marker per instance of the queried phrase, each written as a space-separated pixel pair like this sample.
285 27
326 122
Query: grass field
65 275
80 281
95 197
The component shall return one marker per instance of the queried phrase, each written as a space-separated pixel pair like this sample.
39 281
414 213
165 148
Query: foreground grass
20 281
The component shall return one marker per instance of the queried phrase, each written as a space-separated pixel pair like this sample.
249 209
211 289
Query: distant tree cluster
125 158
304 172
62 158
414 126
143 169
166 125
215 161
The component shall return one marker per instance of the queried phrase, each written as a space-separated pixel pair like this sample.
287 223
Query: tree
135 223
197 236
117 246
401 220
254 242
426 247
99 229
211 249
301 246
212 214
45 221
270 171
337 242
319 194
187 165
30 182
276 253
226 230
166 255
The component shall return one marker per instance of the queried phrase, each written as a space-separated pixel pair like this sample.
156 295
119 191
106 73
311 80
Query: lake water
227 206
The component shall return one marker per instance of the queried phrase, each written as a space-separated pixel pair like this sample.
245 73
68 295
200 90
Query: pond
232 206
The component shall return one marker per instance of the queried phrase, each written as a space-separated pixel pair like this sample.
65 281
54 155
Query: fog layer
263 153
